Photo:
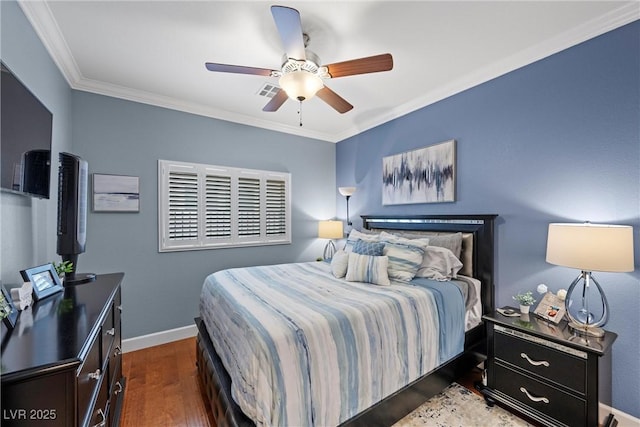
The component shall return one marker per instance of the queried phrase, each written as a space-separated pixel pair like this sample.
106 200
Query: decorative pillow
439 264
368 269
355 235
451 241
363 247
405 258
339 264
388 237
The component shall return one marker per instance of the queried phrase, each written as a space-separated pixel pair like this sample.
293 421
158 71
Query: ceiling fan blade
238 69
371 64
334 100
276 102
290 28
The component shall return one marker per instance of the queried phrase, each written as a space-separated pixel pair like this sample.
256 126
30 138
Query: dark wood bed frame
216 384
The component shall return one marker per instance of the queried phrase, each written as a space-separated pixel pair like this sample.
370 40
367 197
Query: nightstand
547 372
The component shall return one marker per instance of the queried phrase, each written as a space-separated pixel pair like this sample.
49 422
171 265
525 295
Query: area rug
457 406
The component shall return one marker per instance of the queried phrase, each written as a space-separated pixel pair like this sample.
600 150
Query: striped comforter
306 349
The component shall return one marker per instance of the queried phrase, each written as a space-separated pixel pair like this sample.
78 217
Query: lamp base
329 250
584 322
582 329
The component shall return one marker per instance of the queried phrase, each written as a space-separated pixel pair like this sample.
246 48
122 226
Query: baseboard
158 338
623 419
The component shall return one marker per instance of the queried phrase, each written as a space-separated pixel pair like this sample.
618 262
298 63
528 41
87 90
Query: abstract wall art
116 193
425 175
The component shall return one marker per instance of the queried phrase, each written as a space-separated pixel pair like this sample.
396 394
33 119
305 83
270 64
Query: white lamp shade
591 247
300 85
347 191
330 230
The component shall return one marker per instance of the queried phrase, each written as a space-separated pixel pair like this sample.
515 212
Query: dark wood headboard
482 227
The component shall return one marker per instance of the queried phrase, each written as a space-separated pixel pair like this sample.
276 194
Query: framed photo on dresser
8 312
44 279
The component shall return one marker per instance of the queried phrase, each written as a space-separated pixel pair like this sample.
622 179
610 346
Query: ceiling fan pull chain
300 113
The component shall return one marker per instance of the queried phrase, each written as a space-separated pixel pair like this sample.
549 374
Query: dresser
547 372
62 362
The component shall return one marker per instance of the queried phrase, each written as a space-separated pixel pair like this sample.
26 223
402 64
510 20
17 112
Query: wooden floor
162 387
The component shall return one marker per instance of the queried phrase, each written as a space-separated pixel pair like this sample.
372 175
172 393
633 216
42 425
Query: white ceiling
154 51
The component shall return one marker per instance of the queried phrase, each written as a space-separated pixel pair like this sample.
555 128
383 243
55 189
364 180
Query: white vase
524 309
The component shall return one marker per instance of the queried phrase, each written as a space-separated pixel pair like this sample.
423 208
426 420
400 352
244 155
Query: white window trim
198 176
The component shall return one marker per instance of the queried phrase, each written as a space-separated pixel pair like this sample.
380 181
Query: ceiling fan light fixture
300 85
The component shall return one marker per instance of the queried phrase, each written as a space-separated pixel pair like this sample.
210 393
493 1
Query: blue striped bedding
304 348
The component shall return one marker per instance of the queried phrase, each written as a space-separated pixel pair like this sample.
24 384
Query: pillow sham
439 264
405 258
451 241
355 235
368 269
363 247
339 264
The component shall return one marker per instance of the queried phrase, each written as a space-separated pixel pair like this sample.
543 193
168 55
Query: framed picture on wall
425 175
116 193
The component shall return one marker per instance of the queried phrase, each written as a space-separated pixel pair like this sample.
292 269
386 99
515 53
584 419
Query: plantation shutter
218 207
205 206
276 211
249 211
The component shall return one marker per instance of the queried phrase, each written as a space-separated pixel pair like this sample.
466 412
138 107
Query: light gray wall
161 290
28 225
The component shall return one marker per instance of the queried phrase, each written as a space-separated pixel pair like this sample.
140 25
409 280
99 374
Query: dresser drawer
108 334
542 397
88 378
542 359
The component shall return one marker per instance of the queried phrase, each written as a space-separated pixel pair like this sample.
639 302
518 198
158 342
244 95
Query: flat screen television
25 139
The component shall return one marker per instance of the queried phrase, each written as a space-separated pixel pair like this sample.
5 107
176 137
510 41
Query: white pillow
368 269
388 237
339 263
405 258
439 264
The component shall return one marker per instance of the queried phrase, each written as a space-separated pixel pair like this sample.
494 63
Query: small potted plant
62 268
525 300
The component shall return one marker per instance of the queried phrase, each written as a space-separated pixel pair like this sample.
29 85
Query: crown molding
45 26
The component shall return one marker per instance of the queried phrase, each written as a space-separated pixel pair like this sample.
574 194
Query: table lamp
589 247
330 230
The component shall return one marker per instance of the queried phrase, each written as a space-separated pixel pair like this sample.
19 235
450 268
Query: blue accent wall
556 141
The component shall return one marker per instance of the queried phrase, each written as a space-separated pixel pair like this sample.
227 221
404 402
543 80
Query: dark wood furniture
547 372
217 385
62 363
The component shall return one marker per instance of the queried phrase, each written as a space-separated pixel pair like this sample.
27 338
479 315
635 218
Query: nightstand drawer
542 359
544 398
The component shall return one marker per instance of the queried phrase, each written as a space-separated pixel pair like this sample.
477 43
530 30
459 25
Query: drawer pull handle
534 399
104 419
94 375
111 331
117 351
119 307
533 362
119 390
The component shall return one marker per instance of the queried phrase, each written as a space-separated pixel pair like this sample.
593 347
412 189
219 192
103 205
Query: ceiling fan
301 75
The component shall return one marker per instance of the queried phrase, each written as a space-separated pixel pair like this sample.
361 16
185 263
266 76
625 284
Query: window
205 207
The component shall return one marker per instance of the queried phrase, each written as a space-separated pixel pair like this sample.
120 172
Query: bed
380 400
